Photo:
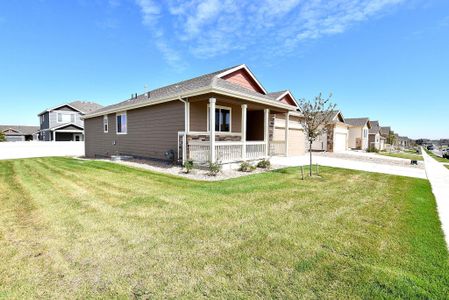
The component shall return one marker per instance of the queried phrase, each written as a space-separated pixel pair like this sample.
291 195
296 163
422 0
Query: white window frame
116 123
230 118
105 124
65 113
42 119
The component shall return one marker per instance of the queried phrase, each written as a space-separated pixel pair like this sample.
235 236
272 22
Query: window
42 119
365 132
105 124
66 117
222 119
121 123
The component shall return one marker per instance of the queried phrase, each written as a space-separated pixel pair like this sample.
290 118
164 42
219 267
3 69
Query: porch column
287 117
243 131
54 136
212 128
266 138
186 130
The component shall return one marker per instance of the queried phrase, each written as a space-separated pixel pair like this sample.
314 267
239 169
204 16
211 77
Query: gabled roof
65 125
244 67
375 127
208 83
19 129
278 96
385 130
83 107
358 122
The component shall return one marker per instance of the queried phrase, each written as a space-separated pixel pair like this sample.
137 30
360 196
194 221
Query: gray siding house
19 133
225 116
63 122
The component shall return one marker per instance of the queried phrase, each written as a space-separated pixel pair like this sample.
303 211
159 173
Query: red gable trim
287 98
242 76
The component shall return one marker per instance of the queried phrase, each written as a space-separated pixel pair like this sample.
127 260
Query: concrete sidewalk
350 164
438 176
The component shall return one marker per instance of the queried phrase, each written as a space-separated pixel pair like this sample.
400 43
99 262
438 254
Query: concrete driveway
354 164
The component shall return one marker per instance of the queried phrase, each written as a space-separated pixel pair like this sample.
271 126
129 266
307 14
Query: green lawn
90 229
447 166
403 155
437 158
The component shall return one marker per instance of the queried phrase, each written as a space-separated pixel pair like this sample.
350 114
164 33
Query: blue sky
383 59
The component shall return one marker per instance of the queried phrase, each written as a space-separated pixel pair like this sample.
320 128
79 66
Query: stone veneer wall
330 138
218 138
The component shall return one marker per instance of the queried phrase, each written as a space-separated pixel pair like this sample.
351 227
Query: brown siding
152 131
198 115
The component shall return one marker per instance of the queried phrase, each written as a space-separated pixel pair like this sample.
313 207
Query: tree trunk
310 151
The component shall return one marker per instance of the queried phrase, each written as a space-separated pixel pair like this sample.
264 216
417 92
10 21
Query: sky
383 59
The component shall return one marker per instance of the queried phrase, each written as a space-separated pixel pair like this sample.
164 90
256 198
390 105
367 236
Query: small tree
317 116
2 137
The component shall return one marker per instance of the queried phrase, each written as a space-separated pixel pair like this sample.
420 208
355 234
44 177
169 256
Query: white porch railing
226 152
255 150
277 148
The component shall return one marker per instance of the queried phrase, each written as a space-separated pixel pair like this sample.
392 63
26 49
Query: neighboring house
19 133
358 133
225 116
335 138
375 139
63 122
403 142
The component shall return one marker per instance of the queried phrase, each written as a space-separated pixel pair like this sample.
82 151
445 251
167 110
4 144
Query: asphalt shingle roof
21 129
375 127
85 106
173 90
359 122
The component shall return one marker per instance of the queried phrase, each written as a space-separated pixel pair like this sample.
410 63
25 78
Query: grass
447 166
89 229
436 157
403 155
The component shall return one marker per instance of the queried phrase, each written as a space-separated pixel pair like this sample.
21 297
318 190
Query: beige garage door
296 142
340 142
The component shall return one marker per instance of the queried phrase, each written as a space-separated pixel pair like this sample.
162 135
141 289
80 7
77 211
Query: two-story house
63 122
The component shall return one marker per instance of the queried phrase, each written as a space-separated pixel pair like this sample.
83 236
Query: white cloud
209 28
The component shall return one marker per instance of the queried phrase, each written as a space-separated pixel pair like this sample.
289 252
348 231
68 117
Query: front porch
226 130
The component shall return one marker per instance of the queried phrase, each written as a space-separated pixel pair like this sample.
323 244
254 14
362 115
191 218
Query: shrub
2 137
246 167
264 164
372 149
214 168
188 166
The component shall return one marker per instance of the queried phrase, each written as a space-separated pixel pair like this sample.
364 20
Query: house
63 122
335 138
225 116
19 133
358 133
403 142
375 139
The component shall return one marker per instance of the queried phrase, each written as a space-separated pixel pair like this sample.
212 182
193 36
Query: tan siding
151 132
198 115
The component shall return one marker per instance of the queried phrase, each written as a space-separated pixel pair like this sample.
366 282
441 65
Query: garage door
340 142
14 138
296 142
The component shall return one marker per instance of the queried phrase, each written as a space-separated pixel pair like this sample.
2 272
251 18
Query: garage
340 141
296 138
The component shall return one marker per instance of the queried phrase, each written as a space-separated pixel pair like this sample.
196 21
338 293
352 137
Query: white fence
11 150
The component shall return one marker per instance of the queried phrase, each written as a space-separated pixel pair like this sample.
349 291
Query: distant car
430 147
446 153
